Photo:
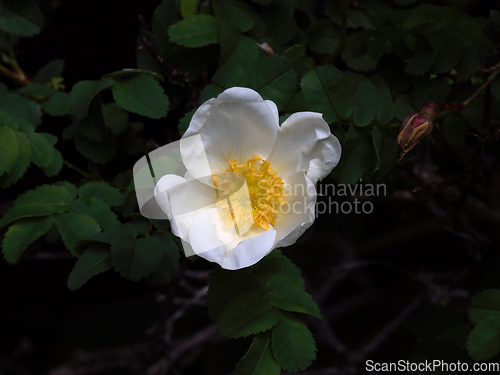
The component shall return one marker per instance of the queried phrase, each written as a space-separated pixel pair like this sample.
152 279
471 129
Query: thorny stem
344 10
495 70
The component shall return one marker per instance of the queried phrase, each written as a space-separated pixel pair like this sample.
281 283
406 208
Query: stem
18 74
74 167
344 10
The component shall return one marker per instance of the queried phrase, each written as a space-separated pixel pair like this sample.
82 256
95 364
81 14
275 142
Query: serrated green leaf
136 259
431 91
21 234
325 90
42 151
227 76
142 224
115 118
236 48
97 151
55 166
164 16
84 92
300 61
169 263
385 105
102 191
385 148
292 343
365 103
42 201
245 314
196 31
484 340
98 210
51 70
75 226
21 107
273 78
323 37
38 90
235 13
16 123
259 358
58 104
288 293
225 285
275 263
141 94
24 157
485 305
402 107
20 17
95 260
358 157
69 187
109 236
9 149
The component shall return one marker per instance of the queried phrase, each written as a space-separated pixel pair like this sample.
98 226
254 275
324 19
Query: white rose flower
276 167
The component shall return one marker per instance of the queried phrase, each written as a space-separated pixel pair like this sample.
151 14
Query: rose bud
415 128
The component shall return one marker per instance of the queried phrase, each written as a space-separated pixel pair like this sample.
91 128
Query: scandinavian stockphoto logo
176 182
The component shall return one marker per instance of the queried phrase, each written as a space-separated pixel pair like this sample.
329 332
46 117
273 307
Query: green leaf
323 37
95 260
75 226
42 201
141 94
402 107
24 157
273 78
259 358
358 157
288 293
142 224
20 17
420 63
245 314
431 91
84 92
185 121
292 343
136 259
448 46
115 118
225 285
485 305
325 90
227 76
196 31
454 128
300 61
99 211
69 187
9 149
19 106
169 263
16 123
111 235
38 90
51 70
275 263
99 152
236 48
484 340
164 15
55 166
235 13
42 152
102 191
365 103
385 106
469 63
189 8
21 234
58 104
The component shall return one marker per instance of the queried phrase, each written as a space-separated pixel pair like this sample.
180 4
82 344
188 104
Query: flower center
265 190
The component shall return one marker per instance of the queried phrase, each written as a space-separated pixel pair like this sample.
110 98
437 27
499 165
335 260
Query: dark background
369 273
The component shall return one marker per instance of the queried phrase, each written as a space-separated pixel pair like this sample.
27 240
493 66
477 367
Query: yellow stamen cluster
265 189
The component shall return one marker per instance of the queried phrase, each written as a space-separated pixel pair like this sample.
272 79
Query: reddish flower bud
430 111
415 128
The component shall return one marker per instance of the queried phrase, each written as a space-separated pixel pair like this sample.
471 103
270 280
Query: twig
82 172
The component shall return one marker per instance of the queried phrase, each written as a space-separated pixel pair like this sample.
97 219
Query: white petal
236 125
210 239
297 214
304 143
274 108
